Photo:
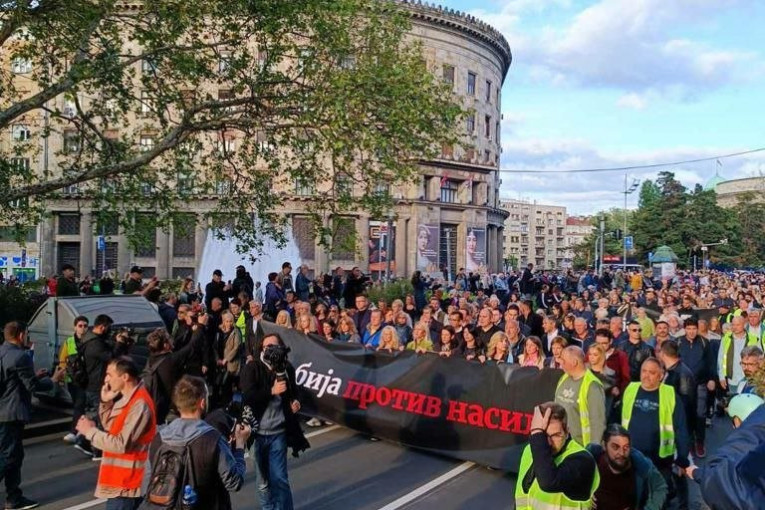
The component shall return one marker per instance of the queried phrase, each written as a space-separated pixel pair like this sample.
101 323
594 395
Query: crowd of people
645 366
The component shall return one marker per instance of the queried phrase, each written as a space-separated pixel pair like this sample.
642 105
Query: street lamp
705 251
627 191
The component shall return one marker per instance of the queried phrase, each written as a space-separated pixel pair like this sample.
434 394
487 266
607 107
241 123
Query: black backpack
171 471
75 366
153 382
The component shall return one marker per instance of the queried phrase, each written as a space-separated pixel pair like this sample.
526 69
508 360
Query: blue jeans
123 503
11 457
271 461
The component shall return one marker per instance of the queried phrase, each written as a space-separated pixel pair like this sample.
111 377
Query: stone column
124 257
48 247
362 231
163 254
87 244
402 242
200 238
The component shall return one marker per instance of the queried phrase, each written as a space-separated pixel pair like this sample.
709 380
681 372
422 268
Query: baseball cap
136 269
217 272
743 405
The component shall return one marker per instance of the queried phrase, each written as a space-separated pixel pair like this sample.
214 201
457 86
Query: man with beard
628 479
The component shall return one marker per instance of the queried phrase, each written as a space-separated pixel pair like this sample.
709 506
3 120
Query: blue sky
626 82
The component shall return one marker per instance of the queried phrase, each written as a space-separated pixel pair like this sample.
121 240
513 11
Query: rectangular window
304 189
108 225
183 235
148 66
107 259
147 105
69 224
9 234
70 109
183 272
71 142
21 65
146 236
487 126
447 249
488 91
21 165
185 182
471 84
224 62
68 253
344 239
223 186
20 133
449 189
470 124
146 143
448 73
487 157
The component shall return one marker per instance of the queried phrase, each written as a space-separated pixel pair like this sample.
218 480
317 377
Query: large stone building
534 233
455 203
577 230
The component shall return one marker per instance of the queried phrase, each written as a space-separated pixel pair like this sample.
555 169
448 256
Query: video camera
241 414
275 356
128 334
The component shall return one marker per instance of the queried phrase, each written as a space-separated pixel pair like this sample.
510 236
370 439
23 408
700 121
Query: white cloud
626 45
633 101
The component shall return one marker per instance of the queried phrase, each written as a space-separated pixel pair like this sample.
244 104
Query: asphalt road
343 470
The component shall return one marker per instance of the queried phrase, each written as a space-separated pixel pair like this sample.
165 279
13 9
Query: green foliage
171 102
18 304
669 214
390 291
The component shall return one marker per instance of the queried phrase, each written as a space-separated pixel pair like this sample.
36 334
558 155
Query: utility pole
602 243
627 191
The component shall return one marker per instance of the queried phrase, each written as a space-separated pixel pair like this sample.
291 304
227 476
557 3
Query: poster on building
475 250
427 250
377 249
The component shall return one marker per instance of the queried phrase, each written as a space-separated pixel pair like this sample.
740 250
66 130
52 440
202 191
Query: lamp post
705 251
627 190
388 244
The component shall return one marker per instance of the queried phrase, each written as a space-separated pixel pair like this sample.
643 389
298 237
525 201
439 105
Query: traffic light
618 234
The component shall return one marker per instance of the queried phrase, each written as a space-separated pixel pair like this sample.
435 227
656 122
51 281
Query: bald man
580 392
729 357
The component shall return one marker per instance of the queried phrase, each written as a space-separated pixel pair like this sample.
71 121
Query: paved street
342 470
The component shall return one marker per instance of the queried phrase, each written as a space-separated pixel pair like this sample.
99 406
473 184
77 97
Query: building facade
577 230
455 202
534 233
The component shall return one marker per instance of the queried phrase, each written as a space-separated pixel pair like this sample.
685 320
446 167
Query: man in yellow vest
556 472
127 414
733 342
581 394
656 422
77 392
239 316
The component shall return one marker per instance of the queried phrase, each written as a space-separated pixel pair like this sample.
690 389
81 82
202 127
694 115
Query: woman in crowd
568 323
305 324
447 346
328 330
558 344
532 353
596 362
346 331
188 294
334 314
402 328
320 314
398 306
421 342
410 307
229 357
389 341
283 319
471 348
499 348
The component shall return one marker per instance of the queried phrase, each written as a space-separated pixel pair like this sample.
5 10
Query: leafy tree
159 106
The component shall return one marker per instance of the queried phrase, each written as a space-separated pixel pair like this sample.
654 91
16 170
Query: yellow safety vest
584 410
241 323
666 410
726 342
537 499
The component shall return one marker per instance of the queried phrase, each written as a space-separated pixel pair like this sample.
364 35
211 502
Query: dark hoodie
217 469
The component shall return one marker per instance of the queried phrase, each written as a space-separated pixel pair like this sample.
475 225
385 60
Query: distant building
577 230
534 233
728 192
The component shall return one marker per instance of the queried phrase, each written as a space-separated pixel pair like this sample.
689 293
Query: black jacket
256 383
252 338
17 383
681 378
215 290
97 352
573 477
636 355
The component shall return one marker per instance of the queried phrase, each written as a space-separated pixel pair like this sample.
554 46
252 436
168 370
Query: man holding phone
127 415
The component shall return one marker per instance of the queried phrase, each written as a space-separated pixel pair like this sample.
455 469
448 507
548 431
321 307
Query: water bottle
189 497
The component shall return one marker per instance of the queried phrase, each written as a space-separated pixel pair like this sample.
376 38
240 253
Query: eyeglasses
634 330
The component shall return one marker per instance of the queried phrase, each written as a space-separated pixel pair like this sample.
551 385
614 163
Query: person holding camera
166 366
268 386
213 467
127 414
96 351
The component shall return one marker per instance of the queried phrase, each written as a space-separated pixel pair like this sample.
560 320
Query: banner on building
377 249
427 250
475 250
448 406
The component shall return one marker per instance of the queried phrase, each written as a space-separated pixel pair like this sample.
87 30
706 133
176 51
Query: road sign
628 243
650 257
101 243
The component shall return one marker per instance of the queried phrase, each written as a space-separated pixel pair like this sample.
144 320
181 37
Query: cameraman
165 367
97 351
273 400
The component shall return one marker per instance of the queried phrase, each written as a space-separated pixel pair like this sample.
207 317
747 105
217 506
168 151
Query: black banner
448 406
